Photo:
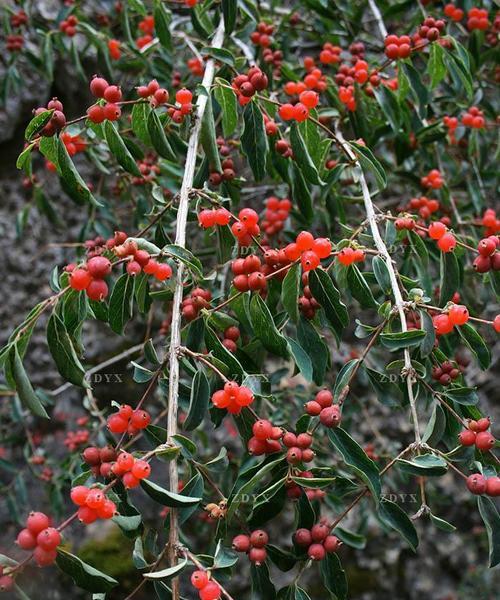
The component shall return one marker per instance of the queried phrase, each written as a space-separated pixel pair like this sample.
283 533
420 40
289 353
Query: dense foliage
295 202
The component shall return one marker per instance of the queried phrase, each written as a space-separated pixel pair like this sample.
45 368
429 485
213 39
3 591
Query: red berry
331 543
44 558
96 113
324 398
36 522
112 112
294 455
467 438
141 469
304 440
140 419
210 592
303 537
92 456
319 532
79 495
199 579
87 515
476 483
80 279
322 247
99 267
484 441
107 510
125 461
305 241
330 416
316 552
241 543
49 538
286 112
447 243
257 555
97 290
163 271
95 498
112 94
130 481
312 408
483 424
262 429
259 538
289 439
117 424
493 486
97 87
6 583
486 247
183 96
437 230
442 324
309 98
26 540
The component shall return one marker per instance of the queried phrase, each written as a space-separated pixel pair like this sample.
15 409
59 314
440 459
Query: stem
175 336
198 565
378 18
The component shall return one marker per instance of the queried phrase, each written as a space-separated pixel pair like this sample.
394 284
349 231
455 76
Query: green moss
112 555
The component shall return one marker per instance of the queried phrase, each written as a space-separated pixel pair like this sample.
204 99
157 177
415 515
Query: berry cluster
315 79
299 447
130 469
477 18
397 47
453 12
307 304
114 49
68 26
195 65
489 256
18 19
309 249
56 122
213 216
227 165
152 90
473 118
490 222
247 85
231 336
183 98
431 29
317 540
126 419
253 545
445 240
299 112
478 484
275 58
75 439
478 435
90 277
149 168
14 43
194 302
147 27
248 274
276 214
406 223
246 226
347 256
346 96
100 460
322 405
425 206
445 322
112 94
294 490
433 180
233 397
216 511
275 260
265 438
262 34
140 260
93 504
207 589
445 373
451 123
330 54
40 537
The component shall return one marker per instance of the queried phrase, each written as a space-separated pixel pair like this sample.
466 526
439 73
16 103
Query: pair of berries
299 112
490 222
397 47
100 460
112 94
453 12
444 323
308 305
246 86
57 120
284 148
478 435
433 180
404 223
183 98
93 504
248 274
114 49
445 240
40 537
478 484
276 214
473 118
194 302
431 29
207 589
126 419
477 18
317 540
299 447
152 90
294 490
329 414
130 469
90 277
347 256
68 26
253 545
309 249
265 438
346 96
246 226
233 397
195 65
231 336
274 261
330 54
209 217
262 34
270 125
445 373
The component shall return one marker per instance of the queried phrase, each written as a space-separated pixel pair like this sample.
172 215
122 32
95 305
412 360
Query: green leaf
198 405
84 575
476 344
382 274
254 140
301 195
230 12
460 74
167 573
290 292
226 98
369 163
37 124
264 328
301 359
220 352
389 104
166 498
325 292
314 483
333 576
121 303
185 256
435 66
72 182
63 352
491 519
442 524
359 287
302 156
158 137
262 586
396 518
24 388
427 343
461 395
119 149
449 280
418 89
24 159
208 137
402 339
427 465
222 55
355 457
315 347
140 114
162 21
